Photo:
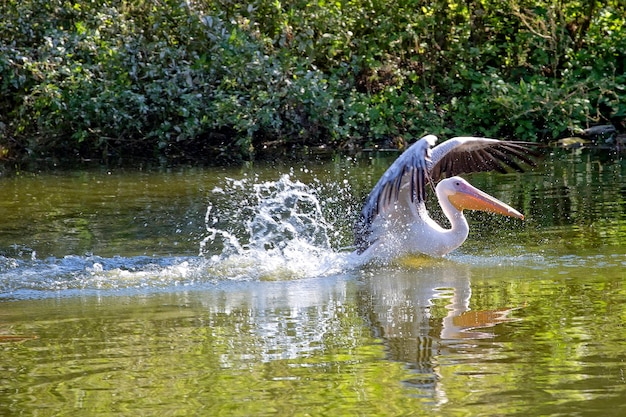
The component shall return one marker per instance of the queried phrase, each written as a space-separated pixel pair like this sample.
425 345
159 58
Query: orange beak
471 198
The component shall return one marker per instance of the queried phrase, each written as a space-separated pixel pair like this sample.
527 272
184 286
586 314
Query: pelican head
462 195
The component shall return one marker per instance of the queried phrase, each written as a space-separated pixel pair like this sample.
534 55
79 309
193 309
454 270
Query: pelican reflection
425 317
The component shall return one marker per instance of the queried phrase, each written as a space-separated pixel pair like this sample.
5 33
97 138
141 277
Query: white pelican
394 220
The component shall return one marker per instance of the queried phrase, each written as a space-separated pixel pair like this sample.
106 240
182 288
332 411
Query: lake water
203 291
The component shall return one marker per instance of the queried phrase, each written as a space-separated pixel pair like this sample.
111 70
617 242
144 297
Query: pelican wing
424 162
463 155
411 167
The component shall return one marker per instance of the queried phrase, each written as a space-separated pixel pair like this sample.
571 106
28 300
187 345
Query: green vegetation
223 79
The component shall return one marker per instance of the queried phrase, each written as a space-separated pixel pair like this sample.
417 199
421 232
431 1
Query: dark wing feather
467 154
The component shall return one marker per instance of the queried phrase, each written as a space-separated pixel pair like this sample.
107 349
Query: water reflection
285 320
430 338
424 314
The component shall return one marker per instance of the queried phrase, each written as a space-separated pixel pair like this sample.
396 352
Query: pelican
394 220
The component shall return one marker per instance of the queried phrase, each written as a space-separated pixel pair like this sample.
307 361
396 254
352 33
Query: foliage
163 77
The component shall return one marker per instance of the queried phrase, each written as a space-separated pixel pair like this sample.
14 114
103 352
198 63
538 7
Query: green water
121 294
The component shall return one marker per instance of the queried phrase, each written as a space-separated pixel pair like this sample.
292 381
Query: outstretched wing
421 164
412 167
463 155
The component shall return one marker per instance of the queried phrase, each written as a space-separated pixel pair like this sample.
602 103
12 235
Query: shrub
176 78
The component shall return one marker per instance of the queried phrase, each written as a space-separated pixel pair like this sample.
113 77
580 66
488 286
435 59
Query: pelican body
394 220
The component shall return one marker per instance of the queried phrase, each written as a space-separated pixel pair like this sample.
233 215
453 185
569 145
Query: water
233 292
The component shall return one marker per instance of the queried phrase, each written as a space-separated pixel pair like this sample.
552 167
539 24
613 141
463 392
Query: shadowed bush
223 80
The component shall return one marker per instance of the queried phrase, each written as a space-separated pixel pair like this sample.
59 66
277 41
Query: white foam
269 230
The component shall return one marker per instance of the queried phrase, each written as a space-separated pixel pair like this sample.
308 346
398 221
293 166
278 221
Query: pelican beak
471 198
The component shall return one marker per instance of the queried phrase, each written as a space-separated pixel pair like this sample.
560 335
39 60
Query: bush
173 78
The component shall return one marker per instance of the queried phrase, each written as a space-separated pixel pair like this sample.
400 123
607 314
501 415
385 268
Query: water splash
269 230
74 274
255 230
